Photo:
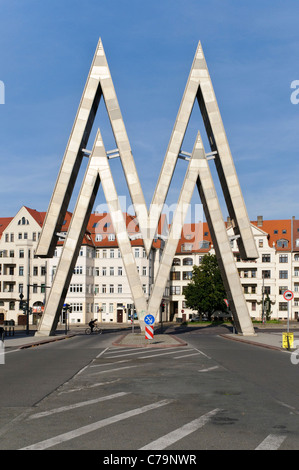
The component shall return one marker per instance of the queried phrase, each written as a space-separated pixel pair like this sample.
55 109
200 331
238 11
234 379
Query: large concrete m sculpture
99 84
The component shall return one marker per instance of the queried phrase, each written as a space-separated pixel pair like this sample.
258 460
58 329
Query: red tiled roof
277 230
4 222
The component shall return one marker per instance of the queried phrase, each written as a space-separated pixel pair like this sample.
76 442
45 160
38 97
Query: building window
111 237
282 289
111 253
120 271
21 270
175 290
111 271
104 289
77 307
136 251
188 246
187 275
104 271
261 243
283 243
176 262
98 237
283 306
175 275
283 274
187 262
283 258
78 270
266 274
21 253
111 289
204 244
119 288
76 288
266 258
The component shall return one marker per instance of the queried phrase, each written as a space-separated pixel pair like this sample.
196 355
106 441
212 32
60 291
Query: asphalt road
213 394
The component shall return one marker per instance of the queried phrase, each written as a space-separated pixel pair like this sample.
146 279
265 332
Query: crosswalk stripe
76 405
94 426
174 436
272 442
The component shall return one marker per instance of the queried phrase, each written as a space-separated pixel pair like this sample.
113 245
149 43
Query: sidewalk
272 340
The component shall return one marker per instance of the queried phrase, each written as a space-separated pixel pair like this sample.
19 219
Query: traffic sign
288 295
149 319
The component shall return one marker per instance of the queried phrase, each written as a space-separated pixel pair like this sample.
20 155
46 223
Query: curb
262 345
39 343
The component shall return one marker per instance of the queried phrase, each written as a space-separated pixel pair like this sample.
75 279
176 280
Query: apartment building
99 286
268 277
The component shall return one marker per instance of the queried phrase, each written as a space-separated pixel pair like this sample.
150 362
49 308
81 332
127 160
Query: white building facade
99 287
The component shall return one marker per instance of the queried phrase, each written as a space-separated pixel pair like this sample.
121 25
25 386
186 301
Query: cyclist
91 324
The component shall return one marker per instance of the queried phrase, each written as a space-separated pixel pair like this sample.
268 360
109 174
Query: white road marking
174 436
208 369
134 353
272 442
94 426
78 389
113 370
75 405
160 354
186 355
123 350
101 353
109 363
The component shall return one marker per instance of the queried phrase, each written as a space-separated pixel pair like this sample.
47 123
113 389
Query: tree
205 292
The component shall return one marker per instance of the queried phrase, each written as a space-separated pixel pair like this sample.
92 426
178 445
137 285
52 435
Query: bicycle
96 330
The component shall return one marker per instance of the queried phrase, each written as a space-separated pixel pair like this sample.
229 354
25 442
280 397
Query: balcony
8 295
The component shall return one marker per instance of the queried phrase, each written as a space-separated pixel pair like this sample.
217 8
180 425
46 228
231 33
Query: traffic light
66 307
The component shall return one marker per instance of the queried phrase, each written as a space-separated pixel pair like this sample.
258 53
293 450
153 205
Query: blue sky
252 51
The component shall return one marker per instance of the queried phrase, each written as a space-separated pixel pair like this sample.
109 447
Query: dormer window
283 243
204 244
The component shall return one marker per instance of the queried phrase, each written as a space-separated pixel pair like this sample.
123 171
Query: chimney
259 220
